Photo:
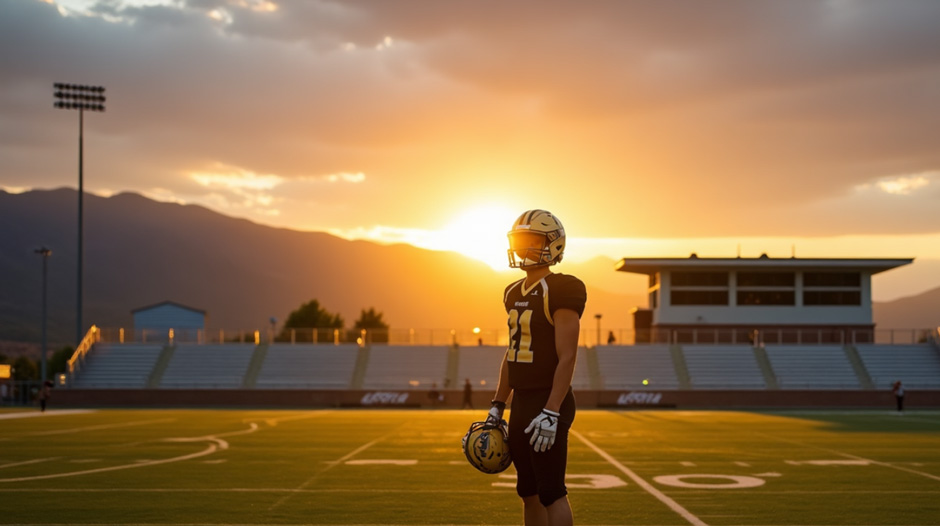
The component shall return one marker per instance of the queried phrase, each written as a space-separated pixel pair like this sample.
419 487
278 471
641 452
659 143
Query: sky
652 129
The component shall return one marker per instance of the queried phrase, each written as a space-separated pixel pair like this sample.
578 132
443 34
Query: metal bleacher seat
113 365
723 367
480 365
916 366
208 366
397 367
626 366
812 367
308 367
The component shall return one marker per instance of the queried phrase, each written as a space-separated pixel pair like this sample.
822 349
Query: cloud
640 118
903 185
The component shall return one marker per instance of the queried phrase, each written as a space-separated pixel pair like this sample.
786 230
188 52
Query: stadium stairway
156 375
851 352
254 367
763 361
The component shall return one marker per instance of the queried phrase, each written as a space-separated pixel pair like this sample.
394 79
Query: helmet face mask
487 447
537 239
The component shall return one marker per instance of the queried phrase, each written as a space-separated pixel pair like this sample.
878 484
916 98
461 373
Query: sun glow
479 233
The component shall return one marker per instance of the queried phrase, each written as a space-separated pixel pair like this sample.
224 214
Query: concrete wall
682 399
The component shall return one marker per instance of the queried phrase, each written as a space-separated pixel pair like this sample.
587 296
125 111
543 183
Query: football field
401 467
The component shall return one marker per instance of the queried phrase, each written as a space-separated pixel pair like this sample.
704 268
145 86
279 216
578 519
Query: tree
25 369
310 316
58 362
372 321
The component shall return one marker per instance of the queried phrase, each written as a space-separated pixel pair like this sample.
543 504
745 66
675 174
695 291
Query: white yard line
328 467
673 505
96 428
26 462
38 414
849 455
215 445
208 451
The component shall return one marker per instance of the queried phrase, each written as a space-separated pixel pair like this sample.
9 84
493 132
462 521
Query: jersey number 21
520 337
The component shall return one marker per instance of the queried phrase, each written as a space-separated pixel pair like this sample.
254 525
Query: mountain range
139 252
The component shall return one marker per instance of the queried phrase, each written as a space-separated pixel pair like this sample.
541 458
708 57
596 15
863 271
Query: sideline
673 505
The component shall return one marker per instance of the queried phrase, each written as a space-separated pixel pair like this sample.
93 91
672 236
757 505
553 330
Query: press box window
832 279
766 279
699 297
766 297
699 279
832 297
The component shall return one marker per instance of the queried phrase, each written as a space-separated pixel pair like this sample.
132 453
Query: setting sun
480 233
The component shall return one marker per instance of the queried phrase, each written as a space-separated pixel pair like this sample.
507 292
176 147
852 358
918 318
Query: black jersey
531 356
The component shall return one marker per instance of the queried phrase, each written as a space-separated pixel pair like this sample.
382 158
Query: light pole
79 97
45 253
598 318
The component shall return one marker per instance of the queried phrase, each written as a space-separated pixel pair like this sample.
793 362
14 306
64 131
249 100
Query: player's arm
503 390
502 385
567 330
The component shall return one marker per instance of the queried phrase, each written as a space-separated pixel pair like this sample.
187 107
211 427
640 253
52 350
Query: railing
499 337
78 357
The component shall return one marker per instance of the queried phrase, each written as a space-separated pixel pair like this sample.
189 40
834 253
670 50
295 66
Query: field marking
273 422
849 455
673 505
380 462
215 445
25 462
840 462
95 428
329 466
737 481
43 414
409 490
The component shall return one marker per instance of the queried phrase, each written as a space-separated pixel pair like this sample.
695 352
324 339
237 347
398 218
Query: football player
544 311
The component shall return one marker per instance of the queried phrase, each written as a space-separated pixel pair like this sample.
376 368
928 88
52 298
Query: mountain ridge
140 252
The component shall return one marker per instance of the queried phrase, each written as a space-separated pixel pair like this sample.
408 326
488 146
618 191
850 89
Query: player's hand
495 416
543 428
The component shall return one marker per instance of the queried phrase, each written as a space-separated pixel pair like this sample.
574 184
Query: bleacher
812 367
394 367
618 367
119 366
308 366
480 364
723 367
916 366
626 366
208 366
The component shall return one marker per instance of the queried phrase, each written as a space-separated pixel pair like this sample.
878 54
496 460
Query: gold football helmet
487 447
537 239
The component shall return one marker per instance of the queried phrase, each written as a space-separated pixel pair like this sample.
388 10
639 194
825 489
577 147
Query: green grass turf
305 467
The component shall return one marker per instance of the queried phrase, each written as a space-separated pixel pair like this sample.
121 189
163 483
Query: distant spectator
898 391
44 393
610 338
467 395
434 395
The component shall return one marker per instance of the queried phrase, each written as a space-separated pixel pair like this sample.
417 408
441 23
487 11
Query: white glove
543 428
495 416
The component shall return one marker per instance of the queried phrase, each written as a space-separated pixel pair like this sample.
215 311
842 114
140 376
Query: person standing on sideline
544 310
467 395
44 393
898 391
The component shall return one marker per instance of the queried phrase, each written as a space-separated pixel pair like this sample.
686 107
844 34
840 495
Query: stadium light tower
79 97
45 253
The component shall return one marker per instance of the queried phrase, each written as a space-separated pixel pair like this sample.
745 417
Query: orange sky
650 128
